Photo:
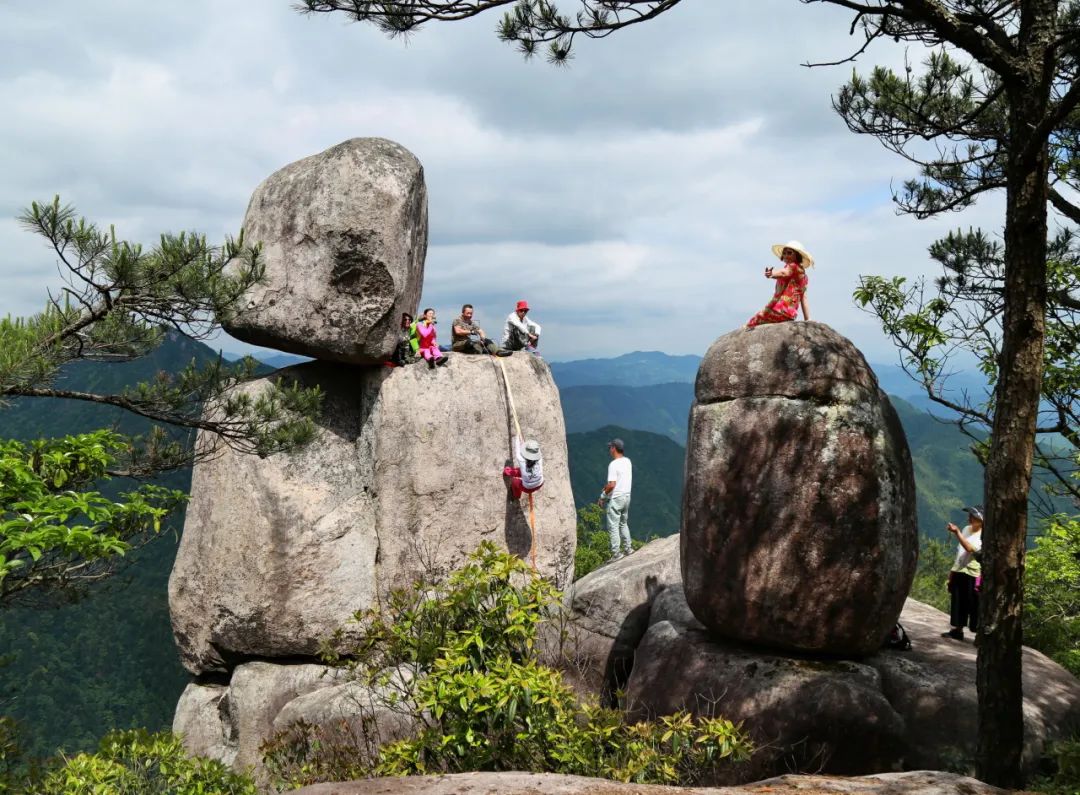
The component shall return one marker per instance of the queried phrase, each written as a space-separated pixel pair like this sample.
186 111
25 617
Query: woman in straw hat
791 284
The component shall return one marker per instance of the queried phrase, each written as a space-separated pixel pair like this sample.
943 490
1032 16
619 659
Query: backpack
897 638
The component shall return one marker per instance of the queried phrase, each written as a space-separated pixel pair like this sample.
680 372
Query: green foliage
930 585
54 533
1066 778
593 547
592 541
961 314
459 659
138 763
1052 604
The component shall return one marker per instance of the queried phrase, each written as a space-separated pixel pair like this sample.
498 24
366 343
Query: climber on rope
528 476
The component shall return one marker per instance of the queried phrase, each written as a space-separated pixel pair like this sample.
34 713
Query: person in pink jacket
429 348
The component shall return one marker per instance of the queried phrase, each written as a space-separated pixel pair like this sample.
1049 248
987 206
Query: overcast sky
630 198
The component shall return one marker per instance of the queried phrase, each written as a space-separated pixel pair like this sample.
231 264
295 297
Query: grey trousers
616 516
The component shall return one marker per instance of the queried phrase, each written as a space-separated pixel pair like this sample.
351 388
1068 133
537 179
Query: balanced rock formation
403 478
798 524
344 236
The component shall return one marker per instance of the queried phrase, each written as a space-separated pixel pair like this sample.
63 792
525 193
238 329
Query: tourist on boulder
528 474
407 345
467 336
791 283
965 575
521 333
616 495
425 334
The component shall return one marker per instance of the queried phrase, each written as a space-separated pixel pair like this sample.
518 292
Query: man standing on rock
520 333
616 494
467 337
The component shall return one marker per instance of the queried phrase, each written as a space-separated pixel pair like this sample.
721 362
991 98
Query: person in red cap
520 333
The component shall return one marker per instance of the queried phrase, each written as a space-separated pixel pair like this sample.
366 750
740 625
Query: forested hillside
659 408
658 476
108 660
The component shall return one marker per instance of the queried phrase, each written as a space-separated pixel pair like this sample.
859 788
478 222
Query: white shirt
621 471
523 327
530 478
965 561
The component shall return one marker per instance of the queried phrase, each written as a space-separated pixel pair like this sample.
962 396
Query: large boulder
918 783
230 723
344 235
403 478
804 713
608 611
892 710
798 523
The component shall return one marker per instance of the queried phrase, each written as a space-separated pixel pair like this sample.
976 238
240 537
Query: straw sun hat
795 245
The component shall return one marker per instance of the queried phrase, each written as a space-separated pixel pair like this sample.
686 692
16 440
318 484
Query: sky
631 198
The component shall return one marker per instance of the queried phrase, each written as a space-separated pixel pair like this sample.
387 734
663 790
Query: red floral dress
786 298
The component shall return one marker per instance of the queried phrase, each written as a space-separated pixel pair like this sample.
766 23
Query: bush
936 557
460 658
593 548
1052 593
139 763
1066 779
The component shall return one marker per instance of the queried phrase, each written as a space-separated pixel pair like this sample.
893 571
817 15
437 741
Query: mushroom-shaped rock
404 478
798 525
343 235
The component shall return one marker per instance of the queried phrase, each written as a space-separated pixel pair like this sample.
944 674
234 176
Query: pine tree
118 301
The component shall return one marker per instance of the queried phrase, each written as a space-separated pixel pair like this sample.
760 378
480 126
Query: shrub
1066 779
593 548
460 658
138 763
1052 593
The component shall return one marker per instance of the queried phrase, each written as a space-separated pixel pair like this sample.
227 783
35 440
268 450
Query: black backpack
897 638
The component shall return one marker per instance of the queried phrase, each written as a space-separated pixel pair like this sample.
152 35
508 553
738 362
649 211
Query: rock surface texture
798 525
890 710
344 236
404 477
609 613
917 783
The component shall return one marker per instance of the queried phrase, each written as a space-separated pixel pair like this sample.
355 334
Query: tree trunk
1008 468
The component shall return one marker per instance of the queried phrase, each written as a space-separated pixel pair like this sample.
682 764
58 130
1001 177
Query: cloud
631 197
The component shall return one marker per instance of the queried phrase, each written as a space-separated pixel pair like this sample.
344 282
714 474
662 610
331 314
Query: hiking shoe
955 634
504 352
615 557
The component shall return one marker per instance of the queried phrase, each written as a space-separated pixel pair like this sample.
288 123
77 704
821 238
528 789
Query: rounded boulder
343 236
798 527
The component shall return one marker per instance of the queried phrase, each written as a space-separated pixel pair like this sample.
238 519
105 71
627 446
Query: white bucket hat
795 245
531 451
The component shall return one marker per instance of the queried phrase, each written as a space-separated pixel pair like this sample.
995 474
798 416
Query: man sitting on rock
468 337
521 333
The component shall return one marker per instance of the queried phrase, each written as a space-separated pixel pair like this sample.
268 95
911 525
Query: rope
517 427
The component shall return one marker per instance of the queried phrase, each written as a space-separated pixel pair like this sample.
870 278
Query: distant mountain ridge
640 368
652 368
